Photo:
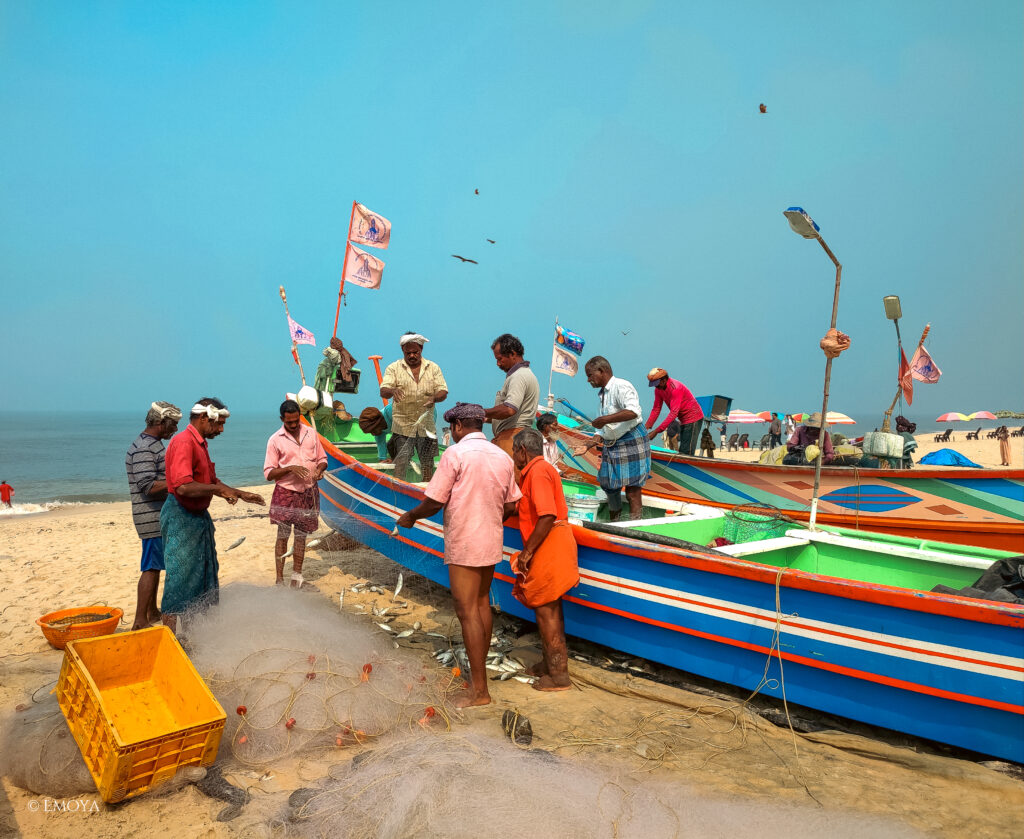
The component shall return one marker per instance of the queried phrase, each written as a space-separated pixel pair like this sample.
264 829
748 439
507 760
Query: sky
164 167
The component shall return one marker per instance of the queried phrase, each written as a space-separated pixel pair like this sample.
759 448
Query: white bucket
582 507
881 444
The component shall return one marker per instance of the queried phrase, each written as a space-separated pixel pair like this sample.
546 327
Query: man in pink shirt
296 461
681 405
475 483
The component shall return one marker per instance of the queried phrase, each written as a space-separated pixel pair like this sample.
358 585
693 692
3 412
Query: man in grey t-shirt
146 480
515 405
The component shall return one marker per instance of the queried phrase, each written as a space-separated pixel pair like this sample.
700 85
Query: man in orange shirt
546 568
6 493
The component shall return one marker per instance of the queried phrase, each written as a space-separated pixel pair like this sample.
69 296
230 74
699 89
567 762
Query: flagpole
899 388
344 264
551 372
295 348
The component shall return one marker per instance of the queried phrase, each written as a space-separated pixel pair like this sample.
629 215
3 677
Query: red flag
295 354
906 381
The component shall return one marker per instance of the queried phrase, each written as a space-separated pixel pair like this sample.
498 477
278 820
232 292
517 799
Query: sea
54 461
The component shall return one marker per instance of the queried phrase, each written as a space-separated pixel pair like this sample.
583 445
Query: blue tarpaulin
948 457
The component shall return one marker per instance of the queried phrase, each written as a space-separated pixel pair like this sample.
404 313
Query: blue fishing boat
844 621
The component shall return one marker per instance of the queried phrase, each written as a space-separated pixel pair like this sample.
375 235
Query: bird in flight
764 108
491 241
476 191
464 259
624 331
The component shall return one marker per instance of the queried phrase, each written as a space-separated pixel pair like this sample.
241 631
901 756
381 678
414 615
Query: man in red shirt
681 405
190 554
6 493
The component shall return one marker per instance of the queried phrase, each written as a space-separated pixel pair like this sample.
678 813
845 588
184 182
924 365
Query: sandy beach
85 555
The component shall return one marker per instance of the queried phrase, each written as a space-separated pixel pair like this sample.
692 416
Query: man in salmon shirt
546 567
190 553
475 484
296 460
681 406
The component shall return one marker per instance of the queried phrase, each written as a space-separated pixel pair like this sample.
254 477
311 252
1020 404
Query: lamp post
893 311
804 225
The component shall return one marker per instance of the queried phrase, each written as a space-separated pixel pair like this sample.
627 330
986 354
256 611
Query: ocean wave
45 507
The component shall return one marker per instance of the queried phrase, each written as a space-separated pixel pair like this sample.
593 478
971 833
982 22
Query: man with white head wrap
190 552
414 385
147 484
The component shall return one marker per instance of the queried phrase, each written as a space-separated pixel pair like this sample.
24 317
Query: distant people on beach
790 426
681 405
723 436
295 461
415 385
1003 436
190 554
775 431
515 404
804 446
546 568
626 450
475 486
147 485
6 494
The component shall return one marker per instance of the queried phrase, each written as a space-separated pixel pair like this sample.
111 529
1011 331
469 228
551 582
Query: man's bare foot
137 626
472 700
548 684
538 669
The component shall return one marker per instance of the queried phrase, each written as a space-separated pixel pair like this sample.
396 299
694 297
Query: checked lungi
190 558
627 461
299 508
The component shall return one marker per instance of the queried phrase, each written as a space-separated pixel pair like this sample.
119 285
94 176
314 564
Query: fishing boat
981 507
833 619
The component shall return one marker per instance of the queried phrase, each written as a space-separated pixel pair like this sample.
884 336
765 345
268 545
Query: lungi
553 569
299 508
627 461
190 558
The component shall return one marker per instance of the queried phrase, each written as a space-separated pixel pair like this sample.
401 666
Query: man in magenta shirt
296 461
475 484
681 405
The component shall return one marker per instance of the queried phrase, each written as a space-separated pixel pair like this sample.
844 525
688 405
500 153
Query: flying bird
491 241
624 331
476 191
764 108
464 259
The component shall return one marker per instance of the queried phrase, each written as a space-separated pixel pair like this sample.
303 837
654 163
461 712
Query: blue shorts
153 554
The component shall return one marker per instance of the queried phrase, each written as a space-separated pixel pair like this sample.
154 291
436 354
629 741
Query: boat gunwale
947 605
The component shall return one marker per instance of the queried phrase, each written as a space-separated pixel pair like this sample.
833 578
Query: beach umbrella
739 415
953 416
836 418
982 415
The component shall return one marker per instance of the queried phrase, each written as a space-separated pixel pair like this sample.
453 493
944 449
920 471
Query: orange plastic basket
59 627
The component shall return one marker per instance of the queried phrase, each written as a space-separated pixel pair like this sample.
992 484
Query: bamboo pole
295 349
344 264
899 388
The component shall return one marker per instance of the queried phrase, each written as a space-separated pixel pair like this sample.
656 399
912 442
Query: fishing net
751 523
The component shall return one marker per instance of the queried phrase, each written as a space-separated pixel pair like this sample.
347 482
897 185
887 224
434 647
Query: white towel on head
415 337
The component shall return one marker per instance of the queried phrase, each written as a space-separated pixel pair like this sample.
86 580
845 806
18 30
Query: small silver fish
526 680
287 554
417 626
385 627
341 599
266 776
234 545
495 669
437 635
360 607
358 587
312 544
395 644
405 633
398 587
581 658
375 589
504 677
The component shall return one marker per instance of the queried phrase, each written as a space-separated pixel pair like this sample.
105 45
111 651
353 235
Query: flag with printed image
923 367
569 340
300 335
368 228
362 269
563 361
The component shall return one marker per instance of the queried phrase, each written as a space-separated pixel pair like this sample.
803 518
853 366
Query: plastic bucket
582 507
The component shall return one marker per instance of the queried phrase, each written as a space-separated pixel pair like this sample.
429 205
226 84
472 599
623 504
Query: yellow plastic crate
138 710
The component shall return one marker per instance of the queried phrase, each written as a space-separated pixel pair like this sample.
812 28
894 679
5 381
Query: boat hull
936 666
982 507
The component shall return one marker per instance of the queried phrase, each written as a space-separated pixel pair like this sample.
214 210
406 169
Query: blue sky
165 166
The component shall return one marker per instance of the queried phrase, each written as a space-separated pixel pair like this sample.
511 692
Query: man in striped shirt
146 480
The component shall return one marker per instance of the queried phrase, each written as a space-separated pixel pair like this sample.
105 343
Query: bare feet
472 700
546 683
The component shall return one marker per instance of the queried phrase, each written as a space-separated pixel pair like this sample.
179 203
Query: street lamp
804 225
893 311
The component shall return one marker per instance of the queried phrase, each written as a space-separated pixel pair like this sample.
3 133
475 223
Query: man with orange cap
681 406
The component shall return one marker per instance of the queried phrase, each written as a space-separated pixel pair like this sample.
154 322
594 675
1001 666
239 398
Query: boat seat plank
892 550
764 546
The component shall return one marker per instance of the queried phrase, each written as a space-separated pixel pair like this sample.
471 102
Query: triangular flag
368 228
923 367
362 269
563 361
906 381
300 335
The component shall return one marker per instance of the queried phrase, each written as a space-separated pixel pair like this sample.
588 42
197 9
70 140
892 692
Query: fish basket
754 524
71 624
137 709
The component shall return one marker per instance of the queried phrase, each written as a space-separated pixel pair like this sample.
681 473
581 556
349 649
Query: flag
906 381
368 228
362 269
564 362
923 367
300 335
568 340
